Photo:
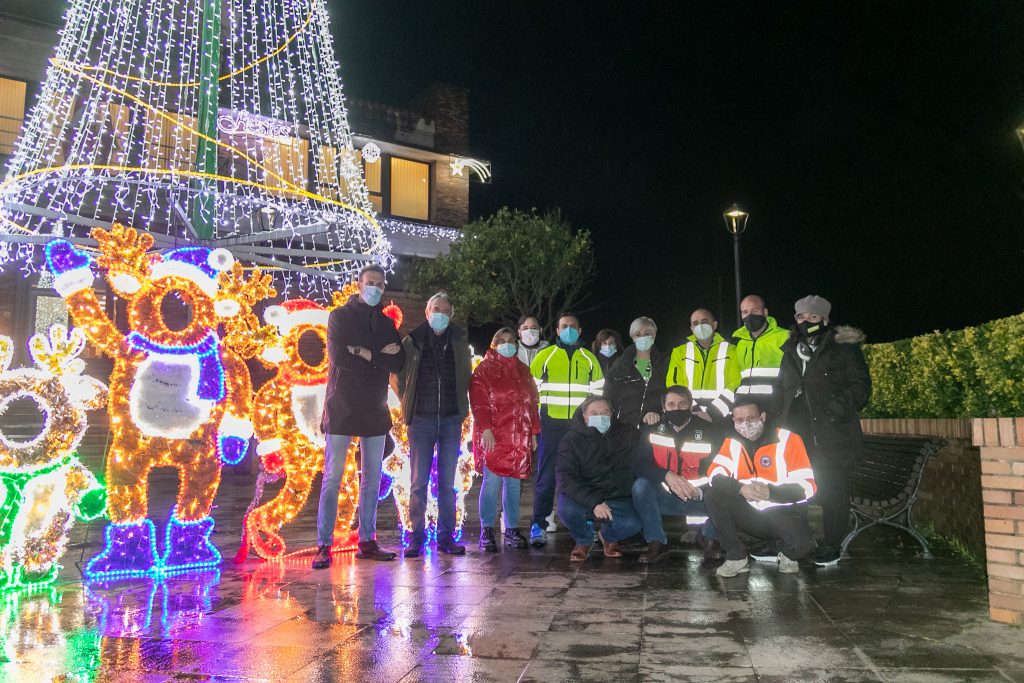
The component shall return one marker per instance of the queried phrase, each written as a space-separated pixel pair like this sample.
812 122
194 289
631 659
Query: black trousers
786 526
551 433
833 481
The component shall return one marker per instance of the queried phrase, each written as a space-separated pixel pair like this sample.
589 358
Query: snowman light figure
43 486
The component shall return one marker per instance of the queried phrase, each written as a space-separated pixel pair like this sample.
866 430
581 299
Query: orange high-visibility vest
683 459
781 462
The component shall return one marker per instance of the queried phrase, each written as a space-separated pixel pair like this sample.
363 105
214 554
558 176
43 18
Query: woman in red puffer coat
503 399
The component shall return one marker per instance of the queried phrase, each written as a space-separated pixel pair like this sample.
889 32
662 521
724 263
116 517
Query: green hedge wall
976 372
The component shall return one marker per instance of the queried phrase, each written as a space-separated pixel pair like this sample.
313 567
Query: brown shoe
322 559
579 553
610 549
656 552
369 550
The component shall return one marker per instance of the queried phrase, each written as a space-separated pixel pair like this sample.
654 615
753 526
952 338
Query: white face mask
703 332
750 430
529 336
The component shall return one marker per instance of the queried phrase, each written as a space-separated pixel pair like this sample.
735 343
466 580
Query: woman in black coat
635 383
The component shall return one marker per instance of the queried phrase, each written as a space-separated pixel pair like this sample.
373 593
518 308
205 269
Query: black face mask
811 330
678 417
754 322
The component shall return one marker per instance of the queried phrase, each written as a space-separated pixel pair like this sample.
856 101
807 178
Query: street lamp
736 222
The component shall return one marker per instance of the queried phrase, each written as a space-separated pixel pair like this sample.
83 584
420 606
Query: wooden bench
885 485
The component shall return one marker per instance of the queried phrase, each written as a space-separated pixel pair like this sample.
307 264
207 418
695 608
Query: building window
287 158
12 112
170 142
410 189
373 183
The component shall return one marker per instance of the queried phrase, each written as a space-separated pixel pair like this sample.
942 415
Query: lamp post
736 222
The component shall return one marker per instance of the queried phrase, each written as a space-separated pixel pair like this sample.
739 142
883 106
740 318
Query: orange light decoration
178 398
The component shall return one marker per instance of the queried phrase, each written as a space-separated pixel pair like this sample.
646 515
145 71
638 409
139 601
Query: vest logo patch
698 435
766 461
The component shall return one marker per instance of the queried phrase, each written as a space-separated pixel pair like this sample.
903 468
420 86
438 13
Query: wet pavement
511 616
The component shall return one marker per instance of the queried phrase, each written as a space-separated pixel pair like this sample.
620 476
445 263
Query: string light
179 398
44 488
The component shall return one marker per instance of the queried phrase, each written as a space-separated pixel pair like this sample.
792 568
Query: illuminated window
12 112
286 157
169 144
410 189
373 184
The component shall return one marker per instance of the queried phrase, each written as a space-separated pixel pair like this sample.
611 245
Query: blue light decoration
176 603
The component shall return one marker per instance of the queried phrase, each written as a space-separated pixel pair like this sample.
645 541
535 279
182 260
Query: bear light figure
179 398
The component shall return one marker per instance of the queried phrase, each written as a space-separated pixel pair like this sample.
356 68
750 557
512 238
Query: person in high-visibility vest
761 480
759 354
706 364
565 373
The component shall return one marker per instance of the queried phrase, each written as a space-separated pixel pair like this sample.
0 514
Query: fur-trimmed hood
846 334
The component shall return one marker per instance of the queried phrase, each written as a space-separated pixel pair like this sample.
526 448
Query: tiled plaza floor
512 616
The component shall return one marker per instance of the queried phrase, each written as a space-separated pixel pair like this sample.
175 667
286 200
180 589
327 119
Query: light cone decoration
218 123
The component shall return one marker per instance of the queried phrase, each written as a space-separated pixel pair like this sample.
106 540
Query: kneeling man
760 482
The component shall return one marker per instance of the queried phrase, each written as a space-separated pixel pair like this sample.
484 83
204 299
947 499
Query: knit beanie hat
815 305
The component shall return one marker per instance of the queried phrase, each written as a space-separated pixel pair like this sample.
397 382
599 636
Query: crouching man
760 482
596 481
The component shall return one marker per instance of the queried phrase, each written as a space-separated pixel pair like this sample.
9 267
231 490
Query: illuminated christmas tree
218 123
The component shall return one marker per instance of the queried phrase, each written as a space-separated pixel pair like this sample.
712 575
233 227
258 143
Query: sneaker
733 567
788 566
538 537
369 550
656 552
487 540
826 556
552 527
450 547
514 539
322 559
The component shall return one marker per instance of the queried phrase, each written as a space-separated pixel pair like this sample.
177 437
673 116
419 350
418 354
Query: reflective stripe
723 350
558 386
693 447
562 400
781 466
755 389
759 372
727 395
689 366
721 406
765 504
695 519
803 477
597 384
659 440
705 394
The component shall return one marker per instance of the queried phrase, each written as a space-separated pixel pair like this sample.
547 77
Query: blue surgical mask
644 343
371 295
439 321
608 350
569 336
601 423
506 350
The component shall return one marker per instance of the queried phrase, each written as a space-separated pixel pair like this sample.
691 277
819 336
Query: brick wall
1001 443
451 196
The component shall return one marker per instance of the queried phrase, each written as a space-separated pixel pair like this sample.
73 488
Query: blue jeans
671 506
426 433
626 521
371 455
509 487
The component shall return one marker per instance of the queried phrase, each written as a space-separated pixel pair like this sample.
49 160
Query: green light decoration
203 206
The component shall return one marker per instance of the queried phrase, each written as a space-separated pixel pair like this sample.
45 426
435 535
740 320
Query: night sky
872 143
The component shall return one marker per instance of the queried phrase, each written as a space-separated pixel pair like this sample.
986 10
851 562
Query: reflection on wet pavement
514 616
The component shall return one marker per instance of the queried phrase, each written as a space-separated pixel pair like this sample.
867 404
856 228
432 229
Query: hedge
975 372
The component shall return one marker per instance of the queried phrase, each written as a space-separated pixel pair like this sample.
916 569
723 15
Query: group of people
735 435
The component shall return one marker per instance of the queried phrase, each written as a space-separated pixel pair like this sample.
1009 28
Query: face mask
749 430
530 336
608 350
439 321
703 332
678 417
569 336
601 423
371 295
506 350
809 329
644 343
754 322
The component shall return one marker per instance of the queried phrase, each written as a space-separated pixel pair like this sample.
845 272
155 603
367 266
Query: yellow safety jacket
563 382
711 376
758 361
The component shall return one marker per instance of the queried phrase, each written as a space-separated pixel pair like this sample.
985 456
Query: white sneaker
733 567
788 566
552 527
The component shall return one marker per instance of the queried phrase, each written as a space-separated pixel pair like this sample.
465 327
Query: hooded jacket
356 400
593 467
631 395
503 398
823 395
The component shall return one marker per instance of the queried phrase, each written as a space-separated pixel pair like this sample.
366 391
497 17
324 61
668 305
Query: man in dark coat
596 480
825 383
434 390
363 349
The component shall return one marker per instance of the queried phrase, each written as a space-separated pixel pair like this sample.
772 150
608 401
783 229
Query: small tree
511 264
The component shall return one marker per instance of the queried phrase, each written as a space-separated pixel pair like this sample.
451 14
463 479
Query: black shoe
712 549
369 550
826 556
414 549
322 559
514 539
487 540
450 547
656 552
